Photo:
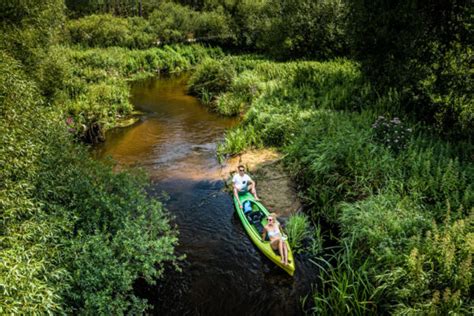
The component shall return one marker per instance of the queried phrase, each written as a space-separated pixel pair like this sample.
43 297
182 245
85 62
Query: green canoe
254 222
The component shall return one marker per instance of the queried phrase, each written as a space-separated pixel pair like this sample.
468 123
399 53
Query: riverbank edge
274 184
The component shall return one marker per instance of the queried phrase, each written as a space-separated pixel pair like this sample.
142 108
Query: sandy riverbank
274 185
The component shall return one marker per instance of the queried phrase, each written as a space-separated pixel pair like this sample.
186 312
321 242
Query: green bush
214 26
173 22
29 273
75 235
306 28
29 28
226 104
107 30
435 276
212 76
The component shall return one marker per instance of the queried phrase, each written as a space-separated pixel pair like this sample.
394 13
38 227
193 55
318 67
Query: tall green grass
345 286
297 229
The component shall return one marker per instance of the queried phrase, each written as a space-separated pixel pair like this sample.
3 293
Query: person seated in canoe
277 241
243 184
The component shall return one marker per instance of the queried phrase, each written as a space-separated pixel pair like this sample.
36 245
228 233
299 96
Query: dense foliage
74 234
401 198
424 49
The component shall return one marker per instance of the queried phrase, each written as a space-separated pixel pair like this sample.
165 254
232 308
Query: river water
223 273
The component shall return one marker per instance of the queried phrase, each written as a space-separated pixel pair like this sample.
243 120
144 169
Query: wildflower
69 120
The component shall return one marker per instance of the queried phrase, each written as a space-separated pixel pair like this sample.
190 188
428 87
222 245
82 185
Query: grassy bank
93 84
399 197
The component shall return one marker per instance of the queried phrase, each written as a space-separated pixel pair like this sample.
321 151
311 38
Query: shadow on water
223 273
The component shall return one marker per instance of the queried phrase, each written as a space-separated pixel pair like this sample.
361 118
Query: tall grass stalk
345 287
297 229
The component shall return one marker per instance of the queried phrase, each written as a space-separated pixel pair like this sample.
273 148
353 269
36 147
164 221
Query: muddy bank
274 185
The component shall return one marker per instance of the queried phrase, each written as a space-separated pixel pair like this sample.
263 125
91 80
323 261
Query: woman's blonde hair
274 215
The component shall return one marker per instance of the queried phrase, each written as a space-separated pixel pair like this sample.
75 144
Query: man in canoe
243 183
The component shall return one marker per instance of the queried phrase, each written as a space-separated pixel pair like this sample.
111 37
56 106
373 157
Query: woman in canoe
276 237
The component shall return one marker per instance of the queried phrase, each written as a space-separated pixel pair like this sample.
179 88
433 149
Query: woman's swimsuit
274 233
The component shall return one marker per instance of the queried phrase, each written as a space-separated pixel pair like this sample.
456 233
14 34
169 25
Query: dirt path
273 183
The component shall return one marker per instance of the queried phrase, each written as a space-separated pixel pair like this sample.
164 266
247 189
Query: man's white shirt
241 182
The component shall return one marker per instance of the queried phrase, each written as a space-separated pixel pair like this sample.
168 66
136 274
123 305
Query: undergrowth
401 197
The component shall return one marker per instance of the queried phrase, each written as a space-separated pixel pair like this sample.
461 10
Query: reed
297 229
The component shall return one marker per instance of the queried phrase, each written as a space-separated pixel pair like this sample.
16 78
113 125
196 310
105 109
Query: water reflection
177 138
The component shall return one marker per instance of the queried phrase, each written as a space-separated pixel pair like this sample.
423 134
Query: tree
424 49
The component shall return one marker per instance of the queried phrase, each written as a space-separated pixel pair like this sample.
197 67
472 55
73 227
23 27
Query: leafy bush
107 30
307 28
29 28
226 104
213 26
172 22
212 76
436 275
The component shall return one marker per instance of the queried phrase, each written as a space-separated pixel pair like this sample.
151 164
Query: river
223 273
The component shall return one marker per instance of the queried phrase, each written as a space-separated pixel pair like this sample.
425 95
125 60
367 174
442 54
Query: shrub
172 22
212 76
226 104
107 30
436 273
213 26
307 28
75 234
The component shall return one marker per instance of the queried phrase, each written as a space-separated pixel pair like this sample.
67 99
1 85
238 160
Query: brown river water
223 273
